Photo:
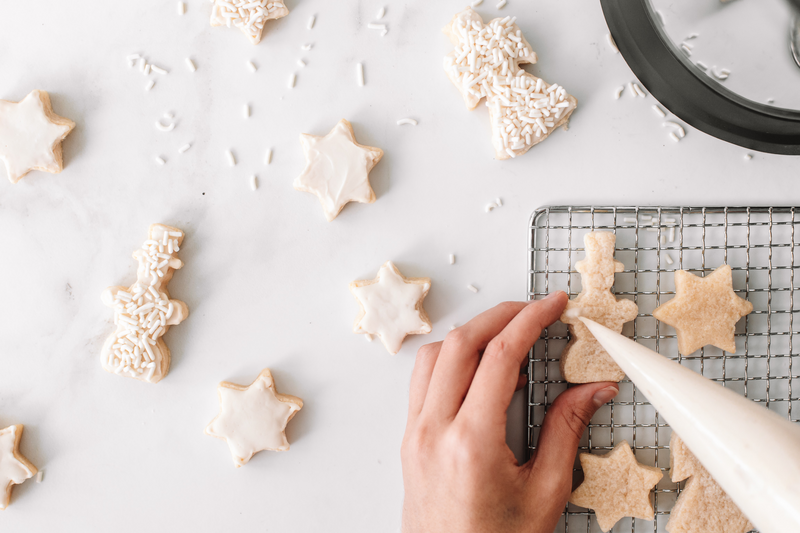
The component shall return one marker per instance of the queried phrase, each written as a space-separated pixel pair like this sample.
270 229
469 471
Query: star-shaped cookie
391 306
14 468
704 310
616 485
253 418
31 135
702 504
247 15
337 169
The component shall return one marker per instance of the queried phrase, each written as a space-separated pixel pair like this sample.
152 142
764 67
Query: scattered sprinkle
473 288
162 127
660 112
252 66
638 90
381 13
618 92
404 121
376 26
674 137
748 157
307 46
292 80
231 159
672 234
452 259
668 258
301 63
720 74
501 4
498 201
184 148
660 16
647 218
384 32
311 21
632 90
678 127
611 43
169 116
701 65
686 49
149 85
268 156
360 74
368 337
181 8
40 476
652 230
662 239
160 160
131 59
146 70
190 64
254 182
158 69
476 3
629 220
489 207
687 45
669 220
246 111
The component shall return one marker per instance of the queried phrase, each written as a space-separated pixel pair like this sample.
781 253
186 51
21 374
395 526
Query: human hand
459 474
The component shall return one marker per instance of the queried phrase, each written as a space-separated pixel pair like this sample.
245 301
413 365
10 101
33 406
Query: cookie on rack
14 467
584 360
702 507
31 135
253 418
616 485
391 306
247 15
486 63
144 312
704 310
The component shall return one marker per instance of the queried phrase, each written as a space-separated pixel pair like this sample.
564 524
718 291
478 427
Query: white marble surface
266 277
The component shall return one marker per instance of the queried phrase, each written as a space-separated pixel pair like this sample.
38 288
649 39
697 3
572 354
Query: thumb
561 433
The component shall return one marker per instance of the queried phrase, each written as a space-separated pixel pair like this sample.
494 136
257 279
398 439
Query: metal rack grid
757 242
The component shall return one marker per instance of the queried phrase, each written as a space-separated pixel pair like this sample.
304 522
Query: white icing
252 420
28 136
337 169
247 15
12 471
390 308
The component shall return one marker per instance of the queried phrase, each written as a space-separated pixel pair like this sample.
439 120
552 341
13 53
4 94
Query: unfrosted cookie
14 468
337 169
253 418
486 63
391 306
704 310
584 360
247 15
702 507
31 135
616 485
144 312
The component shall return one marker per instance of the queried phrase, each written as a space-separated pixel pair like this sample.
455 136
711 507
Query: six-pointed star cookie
616 485
391 306
253 418
704 310
14 468
247 15
337 169
31 135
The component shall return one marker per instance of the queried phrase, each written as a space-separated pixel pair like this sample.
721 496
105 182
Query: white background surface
266 277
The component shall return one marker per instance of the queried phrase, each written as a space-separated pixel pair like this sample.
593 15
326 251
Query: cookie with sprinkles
144 312
247 15
486 63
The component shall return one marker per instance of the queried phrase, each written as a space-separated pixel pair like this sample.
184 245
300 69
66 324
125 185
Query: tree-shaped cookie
486 63
584 360
702 507
616 485
144 312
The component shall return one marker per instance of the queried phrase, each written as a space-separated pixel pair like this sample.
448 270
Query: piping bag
752 452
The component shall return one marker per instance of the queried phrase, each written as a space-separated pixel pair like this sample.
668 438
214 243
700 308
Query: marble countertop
265 277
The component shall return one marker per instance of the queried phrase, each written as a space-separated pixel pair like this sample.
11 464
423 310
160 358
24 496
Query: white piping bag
753 453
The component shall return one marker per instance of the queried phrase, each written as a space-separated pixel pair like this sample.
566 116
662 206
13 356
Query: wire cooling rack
759 244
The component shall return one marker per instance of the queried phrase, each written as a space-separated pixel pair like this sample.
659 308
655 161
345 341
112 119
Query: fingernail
553 295
603 396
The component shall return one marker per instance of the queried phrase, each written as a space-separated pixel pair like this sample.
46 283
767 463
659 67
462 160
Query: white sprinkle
404 121
360 74
181 8
660 112
368 336
307 46
190 64
672 234
720 74
678 127
618 92
646 218
40 476
501 4
611 43
660 16
662 239
246 110
668 258
652 230
452 259
748 157
375 26
632 90
161 127
686 49
292 80
132 59
669 220
453 326
252 66
473 288
489 207
476 3
301 63
381 13
701 65
160 160
674 137
268 156
498 201
311 21
158 70
638 90
183 148
629 220
149 85
687 45
254 182
145 67
231 159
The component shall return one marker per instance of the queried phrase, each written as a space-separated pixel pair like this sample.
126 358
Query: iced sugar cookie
702 507
584 360
14 468
616 485
704 310
144 312
391 306
31 135
253 418
247 15
337 169
523 109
